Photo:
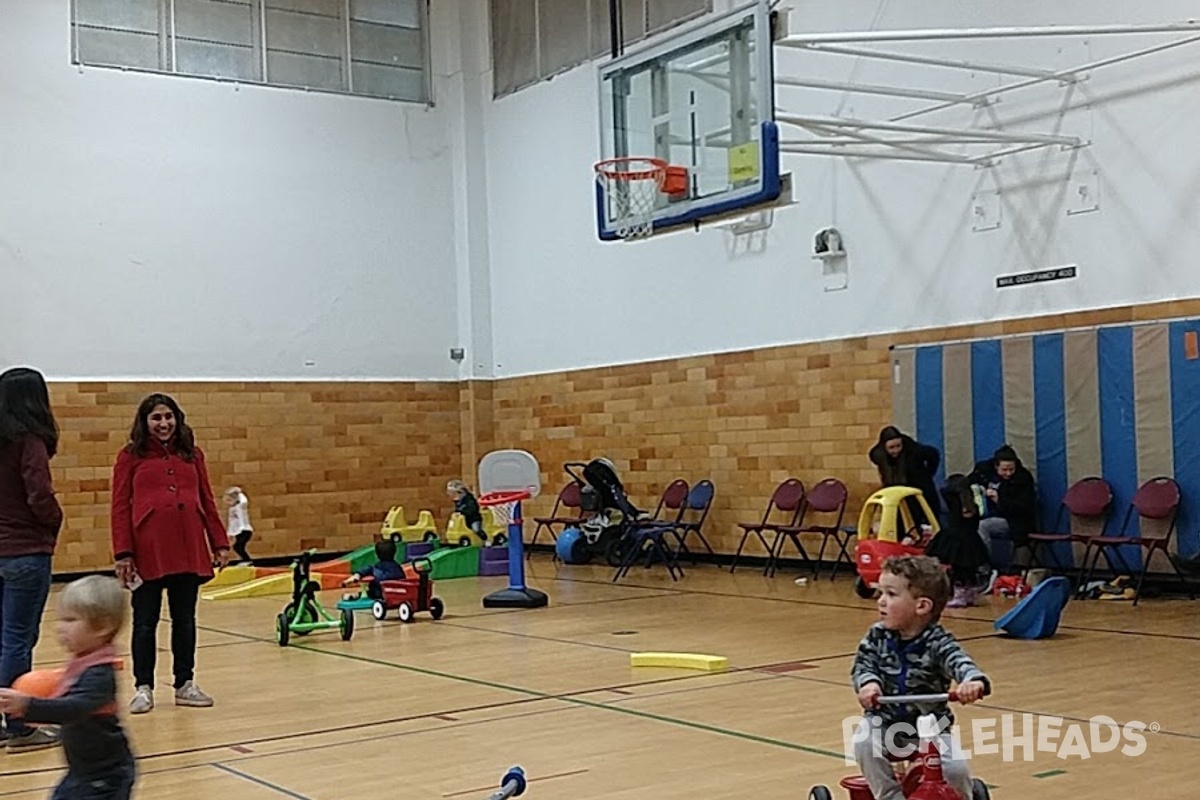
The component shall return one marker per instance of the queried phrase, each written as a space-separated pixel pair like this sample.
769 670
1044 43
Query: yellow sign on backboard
743 162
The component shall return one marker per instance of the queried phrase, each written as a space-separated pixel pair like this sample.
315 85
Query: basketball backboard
509 471
701 99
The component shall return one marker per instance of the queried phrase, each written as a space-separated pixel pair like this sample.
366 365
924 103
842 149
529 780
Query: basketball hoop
502 504
631 187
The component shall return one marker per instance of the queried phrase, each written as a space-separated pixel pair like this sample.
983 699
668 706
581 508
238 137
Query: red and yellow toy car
884 518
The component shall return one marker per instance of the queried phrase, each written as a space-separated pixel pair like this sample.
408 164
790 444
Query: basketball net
631 188
502 513
502 504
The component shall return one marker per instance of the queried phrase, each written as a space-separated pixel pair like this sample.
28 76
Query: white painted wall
155 226
562 299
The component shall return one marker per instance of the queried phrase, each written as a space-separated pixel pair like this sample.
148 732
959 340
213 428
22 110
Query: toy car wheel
431 536
499 540
979 790
862 589
282 632
820 793
379 610
397 538
437 608
464 541
406 612
347 626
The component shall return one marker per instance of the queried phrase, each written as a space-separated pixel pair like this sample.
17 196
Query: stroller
606 509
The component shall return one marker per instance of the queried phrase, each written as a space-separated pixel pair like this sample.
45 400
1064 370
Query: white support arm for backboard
867 88
808 148
1060 75
977 134
956 63
935 34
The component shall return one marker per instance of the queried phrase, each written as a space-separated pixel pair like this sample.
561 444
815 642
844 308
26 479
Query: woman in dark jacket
1011 498
30 518
903 461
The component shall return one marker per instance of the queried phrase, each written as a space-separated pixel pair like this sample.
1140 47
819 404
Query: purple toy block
417 550
495 554
493 567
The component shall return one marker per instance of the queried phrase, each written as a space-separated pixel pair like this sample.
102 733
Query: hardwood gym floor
441 710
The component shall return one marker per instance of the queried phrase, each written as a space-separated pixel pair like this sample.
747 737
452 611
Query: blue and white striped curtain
1122 402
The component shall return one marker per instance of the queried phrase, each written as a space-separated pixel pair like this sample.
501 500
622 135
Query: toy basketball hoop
503 504
631 185
506 478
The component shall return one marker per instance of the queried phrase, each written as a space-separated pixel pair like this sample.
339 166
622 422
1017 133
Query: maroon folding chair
671 503
1156 501
566 512
828 497
783 509
1087 499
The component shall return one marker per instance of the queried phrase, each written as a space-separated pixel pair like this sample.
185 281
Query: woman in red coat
166 534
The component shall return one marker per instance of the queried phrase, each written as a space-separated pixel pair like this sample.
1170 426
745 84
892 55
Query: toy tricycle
409 595
892 504
920 774
305 614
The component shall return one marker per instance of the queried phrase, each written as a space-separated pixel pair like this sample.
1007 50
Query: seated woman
958 545
1010 512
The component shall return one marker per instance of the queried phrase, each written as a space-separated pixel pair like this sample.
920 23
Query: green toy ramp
453 562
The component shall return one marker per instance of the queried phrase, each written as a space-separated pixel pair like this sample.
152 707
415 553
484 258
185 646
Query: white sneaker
190 695
143 700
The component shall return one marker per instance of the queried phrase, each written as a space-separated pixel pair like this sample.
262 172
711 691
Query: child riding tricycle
920 773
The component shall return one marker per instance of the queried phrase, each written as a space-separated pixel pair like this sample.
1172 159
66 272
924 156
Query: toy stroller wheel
500 540
379 610
397 538
406 612
614 551
431 536
464 541
347 626
862 589
979 790
437 608
820 793
282 631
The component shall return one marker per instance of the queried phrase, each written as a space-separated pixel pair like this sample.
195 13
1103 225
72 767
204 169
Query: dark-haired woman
903 461
166 533
30 518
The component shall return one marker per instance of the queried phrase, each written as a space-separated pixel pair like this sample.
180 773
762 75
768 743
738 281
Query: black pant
182 594
111 784
239 544
114 783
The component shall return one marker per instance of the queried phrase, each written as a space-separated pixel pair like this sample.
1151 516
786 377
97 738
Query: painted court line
267 784
684 723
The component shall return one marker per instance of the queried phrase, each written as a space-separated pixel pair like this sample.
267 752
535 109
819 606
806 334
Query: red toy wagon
408 596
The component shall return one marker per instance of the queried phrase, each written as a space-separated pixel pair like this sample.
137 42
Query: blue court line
248 777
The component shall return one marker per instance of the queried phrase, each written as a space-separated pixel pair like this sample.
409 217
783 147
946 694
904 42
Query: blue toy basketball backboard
701 101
